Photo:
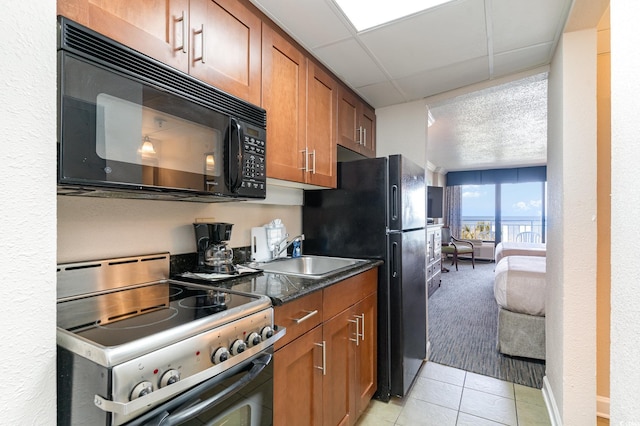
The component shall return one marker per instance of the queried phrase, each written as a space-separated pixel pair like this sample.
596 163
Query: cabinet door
339 405
283 96
348 123
368 129
297 381
225 51
158 28
322 104
366 312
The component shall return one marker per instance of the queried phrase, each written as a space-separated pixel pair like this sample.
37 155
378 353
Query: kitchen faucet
276 250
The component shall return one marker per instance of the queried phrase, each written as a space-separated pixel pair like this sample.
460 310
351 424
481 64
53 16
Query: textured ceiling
497 126
445 50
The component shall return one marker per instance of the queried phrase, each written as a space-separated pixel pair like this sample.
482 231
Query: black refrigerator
378 212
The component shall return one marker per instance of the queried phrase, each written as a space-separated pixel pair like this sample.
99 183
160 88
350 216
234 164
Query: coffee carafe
214 255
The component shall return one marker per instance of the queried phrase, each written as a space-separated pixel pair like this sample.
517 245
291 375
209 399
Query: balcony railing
484 228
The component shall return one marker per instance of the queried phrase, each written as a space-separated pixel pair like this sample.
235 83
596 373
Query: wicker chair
455 247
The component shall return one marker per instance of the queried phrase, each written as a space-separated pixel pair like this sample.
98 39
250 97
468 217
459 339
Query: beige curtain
453 209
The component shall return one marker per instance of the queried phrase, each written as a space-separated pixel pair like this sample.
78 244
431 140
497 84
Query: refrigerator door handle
394 263
394 202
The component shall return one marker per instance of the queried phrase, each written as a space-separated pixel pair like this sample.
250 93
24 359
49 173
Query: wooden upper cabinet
322 105
284 72
348 131
356 124
157 28
225 38
216 41
368 136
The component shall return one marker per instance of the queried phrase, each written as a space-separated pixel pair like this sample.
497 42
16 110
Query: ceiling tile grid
452 47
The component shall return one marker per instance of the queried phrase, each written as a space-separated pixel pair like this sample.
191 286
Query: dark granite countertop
284 288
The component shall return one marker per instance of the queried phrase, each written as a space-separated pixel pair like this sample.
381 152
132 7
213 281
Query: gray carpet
463 318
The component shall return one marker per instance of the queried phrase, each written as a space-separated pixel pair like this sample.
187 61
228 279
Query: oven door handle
160 415
233 365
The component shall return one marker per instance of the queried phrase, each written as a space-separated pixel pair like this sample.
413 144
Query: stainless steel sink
315 267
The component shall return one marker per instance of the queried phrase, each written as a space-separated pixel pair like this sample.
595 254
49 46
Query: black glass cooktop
126 315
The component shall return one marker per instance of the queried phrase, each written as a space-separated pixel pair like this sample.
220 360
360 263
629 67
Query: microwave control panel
254 167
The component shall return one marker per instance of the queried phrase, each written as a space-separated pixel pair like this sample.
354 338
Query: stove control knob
141 389
253 339
169 378
220 355
266 332
238 347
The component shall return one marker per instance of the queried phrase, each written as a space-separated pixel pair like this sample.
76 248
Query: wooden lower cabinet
338 402
298 365
367 352
327 375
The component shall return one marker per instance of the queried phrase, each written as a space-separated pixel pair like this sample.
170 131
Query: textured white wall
625 205
28 212
571 248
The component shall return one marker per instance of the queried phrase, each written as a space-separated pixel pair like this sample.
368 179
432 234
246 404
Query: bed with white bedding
510 248
520 291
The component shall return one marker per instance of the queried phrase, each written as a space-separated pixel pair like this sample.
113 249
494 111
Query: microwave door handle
235 160
189 402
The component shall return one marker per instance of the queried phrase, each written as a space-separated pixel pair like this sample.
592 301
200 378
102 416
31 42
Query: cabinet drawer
298 316
340 296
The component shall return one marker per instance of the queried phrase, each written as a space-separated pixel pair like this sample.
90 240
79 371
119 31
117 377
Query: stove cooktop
118 326
126 315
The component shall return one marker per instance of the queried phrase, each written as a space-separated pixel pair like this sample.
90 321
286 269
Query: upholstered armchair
456 247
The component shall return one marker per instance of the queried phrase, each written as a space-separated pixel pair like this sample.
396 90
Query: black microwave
132 127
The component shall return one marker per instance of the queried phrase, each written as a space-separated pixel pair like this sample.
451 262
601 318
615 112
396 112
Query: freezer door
408 307
407 194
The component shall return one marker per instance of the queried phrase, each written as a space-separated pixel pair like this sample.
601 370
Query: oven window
252 406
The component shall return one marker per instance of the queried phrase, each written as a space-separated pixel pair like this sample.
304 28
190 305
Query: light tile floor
443 396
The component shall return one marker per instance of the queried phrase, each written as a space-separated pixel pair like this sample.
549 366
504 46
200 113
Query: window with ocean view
500 212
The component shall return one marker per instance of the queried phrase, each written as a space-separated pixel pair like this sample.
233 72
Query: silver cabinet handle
361 317
313 167
357 339
306 160
306 317
364 139
324 357
359 141
202 50
181 19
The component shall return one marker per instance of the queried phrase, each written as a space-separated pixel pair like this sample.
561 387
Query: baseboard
550 402
603 406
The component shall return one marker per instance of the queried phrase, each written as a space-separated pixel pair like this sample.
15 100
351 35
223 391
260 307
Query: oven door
242 395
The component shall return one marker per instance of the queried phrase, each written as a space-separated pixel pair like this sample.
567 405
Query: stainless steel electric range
135 347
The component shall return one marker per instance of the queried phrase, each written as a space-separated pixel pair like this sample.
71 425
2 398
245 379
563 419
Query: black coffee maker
214 255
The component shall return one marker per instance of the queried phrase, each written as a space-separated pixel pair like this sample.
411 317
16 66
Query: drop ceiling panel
384 93
429 40
351 62
518 60
311 23
441 80
516 23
